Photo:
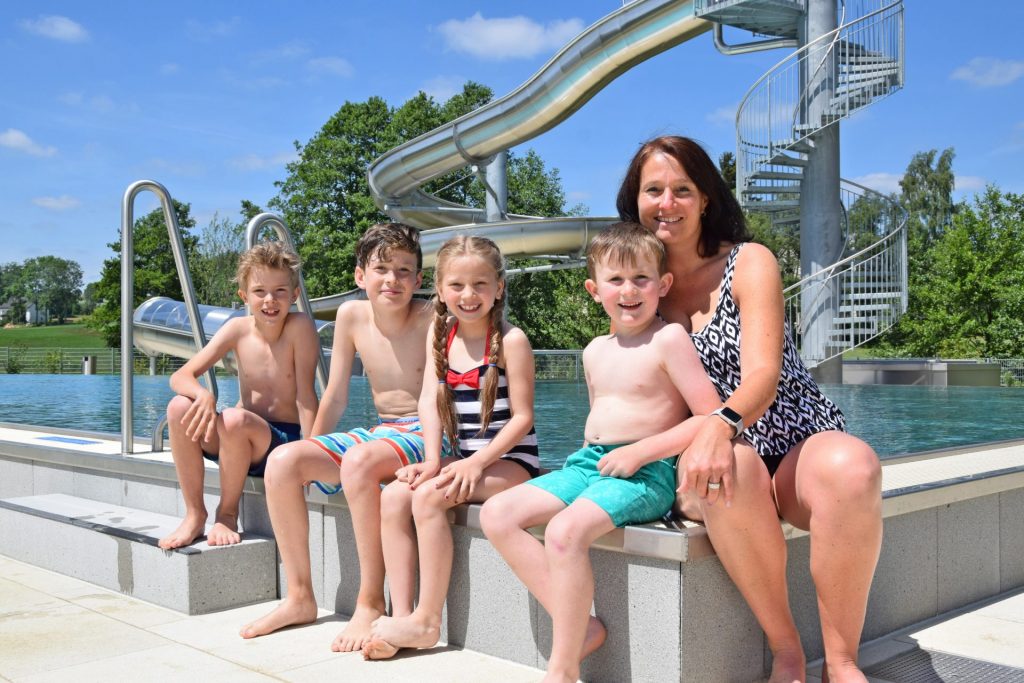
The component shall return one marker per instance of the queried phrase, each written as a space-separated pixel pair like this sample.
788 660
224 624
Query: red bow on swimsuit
470 378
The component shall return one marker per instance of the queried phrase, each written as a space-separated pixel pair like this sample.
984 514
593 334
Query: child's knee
177 407
498 513
427 500
563 535
396 500
233 420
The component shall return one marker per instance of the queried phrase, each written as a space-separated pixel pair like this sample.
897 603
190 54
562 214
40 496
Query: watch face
731 414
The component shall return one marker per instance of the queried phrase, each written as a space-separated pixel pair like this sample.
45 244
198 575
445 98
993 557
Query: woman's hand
417 473
201 417
461 478
623 463
708 461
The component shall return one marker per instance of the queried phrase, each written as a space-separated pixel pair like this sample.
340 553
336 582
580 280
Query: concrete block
803 598
93 485
968 565
115 547
48 478
905 587
1011 539
15 478
483 586
150 494
720 639
255 517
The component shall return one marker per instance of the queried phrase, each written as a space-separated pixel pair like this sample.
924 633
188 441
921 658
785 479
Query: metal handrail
252 234
128 304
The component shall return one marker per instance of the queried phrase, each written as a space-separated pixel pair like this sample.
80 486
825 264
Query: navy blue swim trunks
280 433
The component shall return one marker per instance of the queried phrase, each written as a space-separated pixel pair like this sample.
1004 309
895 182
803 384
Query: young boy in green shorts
276 353
645 381
388 331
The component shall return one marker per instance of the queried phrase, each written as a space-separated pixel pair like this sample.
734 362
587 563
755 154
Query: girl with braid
478 393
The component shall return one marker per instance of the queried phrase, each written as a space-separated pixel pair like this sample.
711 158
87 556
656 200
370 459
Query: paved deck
54 628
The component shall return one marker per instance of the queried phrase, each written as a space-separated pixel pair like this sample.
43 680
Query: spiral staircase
864 290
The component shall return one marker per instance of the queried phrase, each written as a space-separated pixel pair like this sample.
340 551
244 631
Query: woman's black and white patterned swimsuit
799 410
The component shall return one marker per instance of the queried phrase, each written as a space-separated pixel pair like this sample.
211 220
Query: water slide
601 53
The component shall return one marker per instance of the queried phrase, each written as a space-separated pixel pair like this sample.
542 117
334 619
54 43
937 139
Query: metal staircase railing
856 64
865 57
866 290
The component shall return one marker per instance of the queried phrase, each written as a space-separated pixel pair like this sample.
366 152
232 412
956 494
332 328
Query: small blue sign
68 439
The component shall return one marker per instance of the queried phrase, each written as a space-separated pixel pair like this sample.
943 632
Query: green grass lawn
68 336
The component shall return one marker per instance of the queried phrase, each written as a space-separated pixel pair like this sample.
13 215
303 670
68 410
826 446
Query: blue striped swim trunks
403 434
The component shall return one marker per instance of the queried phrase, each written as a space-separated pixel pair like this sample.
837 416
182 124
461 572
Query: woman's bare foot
354 636
224 530
191 528
594 638
289 613
788 666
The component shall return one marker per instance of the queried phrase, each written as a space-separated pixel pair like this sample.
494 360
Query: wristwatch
731 418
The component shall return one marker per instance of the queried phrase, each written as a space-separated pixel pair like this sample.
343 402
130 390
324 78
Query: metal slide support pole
127 296
252 234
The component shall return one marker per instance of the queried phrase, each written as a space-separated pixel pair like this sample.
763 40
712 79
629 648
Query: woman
779 449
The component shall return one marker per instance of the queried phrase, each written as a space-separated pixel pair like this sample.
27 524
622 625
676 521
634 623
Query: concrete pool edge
657 588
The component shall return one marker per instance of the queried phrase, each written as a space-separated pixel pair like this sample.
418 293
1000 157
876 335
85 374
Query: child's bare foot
390 634
355 635
191 528
289 613
375 648
788 666
846 672
224 531
596 634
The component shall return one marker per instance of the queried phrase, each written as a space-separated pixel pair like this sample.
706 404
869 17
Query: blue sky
208 97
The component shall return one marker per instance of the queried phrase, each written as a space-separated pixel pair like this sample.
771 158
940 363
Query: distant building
33 314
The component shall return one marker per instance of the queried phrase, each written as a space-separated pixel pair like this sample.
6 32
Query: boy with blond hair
389 332
645 381
275 352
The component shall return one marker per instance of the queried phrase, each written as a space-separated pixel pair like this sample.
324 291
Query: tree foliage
155 271
53 284
969 301
220 244
326 198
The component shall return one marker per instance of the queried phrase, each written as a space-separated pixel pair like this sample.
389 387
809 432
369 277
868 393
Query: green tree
969 302
155 270
53 284
12 290
727 167
213 273
927 194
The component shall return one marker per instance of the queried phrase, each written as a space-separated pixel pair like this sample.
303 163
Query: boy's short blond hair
383 238
625 243
272 255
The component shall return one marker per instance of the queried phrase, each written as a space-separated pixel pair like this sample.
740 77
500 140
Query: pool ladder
252 233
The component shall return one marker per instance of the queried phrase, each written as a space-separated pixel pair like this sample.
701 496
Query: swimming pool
895 420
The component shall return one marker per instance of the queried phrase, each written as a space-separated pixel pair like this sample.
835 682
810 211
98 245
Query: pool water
895 420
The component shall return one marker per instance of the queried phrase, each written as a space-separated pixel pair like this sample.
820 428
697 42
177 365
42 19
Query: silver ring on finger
714 485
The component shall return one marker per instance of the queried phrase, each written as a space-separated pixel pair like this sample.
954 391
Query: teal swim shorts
644 497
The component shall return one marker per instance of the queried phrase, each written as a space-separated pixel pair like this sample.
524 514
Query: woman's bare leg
749 542
831 484
288 468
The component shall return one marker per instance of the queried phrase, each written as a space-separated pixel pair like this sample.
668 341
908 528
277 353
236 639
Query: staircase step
795 176
116 547
782 159
872 296
771 206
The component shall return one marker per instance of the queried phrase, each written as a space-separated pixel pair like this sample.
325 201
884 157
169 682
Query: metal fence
72 361
551 365
1011 371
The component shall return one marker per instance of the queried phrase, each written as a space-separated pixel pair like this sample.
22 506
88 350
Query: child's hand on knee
201 417
460 478
417 473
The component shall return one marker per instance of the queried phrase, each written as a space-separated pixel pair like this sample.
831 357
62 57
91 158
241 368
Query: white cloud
254 162
507 37
886 183
56 27
169 69
61 203
442 88
208 32
102 104
722 116
13 138
988 72
969 183
331 66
